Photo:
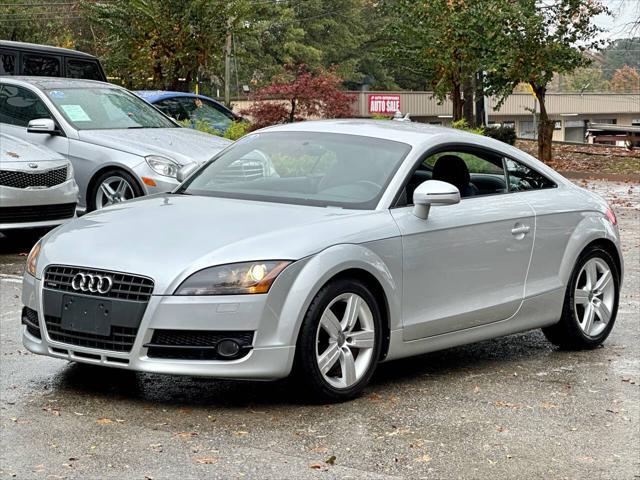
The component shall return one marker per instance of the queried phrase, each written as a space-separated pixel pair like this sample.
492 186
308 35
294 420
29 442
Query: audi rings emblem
91 282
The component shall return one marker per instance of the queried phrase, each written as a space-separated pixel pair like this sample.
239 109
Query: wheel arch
610 247
345 260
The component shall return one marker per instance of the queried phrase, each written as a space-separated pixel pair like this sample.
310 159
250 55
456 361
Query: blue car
189 106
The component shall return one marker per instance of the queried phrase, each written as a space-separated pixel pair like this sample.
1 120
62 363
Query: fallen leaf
423 459
240 433
104 421
205 460
318 466
331 460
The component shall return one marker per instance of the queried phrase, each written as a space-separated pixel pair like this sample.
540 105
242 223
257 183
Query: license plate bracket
86 315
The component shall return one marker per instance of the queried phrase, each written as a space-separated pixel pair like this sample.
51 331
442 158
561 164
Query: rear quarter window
40 65
85 69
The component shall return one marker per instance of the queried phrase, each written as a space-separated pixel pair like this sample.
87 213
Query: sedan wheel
344 340
112 190
591 302
339 342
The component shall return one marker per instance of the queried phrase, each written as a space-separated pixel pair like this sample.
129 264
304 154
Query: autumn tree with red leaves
299 94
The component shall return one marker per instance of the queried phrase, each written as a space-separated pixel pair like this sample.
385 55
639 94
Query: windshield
106 108
302 168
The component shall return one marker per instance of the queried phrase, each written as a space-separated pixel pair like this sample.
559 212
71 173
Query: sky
618 25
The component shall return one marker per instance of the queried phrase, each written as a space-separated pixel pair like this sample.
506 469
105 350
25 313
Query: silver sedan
120 146
370 241
37 189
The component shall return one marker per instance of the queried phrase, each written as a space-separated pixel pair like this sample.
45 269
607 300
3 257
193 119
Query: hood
15 150
184 145
167 237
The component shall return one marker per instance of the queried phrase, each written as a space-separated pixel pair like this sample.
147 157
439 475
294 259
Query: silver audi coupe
367 242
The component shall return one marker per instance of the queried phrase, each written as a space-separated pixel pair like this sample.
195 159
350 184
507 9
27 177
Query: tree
537 40
626 79
443 42
621 52
586 80
299 94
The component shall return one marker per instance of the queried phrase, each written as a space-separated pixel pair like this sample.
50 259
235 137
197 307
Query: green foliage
621 52
380 116
503 133
463 125
237 130
201 126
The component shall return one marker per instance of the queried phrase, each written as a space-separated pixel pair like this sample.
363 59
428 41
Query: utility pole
227 64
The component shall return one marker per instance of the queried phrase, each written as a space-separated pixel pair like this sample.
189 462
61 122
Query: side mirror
43 125
433 192
185 171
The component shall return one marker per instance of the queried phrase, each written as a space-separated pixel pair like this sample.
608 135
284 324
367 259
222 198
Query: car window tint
523 178
7 63
199 110
40 65
18 106
82 69
173 108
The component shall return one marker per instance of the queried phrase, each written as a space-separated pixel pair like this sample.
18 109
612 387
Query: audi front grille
125 286
48 179
127 295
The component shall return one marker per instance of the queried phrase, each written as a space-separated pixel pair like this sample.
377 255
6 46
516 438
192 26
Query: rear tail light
611 216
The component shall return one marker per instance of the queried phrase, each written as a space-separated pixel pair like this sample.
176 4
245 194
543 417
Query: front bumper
267 360
64 193
161 183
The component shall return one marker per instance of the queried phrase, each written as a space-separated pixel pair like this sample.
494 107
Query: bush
237 130
503 133
463 125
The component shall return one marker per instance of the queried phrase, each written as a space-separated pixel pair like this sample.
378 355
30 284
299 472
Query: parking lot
510 408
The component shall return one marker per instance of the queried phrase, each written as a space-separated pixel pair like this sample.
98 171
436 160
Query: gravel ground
509 408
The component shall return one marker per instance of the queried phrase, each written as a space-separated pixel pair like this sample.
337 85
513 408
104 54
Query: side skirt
536 312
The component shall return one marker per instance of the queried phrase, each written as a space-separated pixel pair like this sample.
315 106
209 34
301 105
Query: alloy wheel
594 297
112 190
345 340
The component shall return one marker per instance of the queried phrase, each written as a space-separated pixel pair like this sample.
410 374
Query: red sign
385 104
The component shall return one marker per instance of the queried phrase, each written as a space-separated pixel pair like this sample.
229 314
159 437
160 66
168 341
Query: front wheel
113 187
339 342
591 302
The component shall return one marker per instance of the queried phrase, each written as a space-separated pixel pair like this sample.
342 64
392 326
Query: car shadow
128 386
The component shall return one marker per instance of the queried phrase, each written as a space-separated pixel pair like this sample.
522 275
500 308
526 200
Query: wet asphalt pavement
515 407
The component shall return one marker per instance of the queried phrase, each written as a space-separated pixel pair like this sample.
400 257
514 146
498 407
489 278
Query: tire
573 332
113 176
338 383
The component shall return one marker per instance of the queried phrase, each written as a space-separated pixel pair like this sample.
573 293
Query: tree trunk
467 108
292 114
456 99
545 127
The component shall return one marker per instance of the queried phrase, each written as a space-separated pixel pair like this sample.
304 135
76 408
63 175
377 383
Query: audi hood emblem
91 282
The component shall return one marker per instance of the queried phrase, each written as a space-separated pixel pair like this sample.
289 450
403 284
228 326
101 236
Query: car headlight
32 259
163 166
69 171
233 279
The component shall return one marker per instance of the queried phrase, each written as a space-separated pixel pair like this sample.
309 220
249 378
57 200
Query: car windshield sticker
76 113
56 94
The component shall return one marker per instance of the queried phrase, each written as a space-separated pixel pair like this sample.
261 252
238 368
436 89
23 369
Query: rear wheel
591 302
339 342
112 187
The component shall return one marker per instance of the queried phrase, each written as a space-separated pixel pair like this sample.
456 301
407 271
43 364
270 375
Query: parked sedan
194 108
120 146
37 188
370 242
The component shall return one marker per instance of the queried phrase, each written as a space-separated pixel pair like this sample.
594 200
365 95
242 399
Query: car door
466 264
20 105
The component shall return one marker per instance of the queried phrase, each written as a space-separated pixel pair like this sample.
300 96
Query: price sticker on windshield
76 113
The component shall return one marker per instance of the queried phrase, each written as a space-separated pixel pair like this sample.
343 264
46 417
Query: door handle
520 230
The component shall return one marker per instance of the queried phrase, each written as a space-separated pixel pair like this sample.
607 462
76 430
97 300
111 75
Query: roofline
10 44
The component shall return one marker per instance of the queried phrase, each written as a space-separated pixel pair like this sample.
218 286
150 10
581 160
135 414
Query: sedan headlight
163 166
233 279
32 259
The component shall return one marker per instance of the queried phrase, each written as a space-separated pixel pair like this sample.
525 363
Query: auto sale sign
384 104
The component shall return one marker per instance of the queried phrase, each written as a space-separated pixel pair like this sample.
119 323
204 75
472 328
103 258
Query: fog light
228 348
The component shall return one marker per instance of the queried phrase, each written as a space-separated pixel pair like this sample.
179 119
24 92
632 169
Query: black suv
19 58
